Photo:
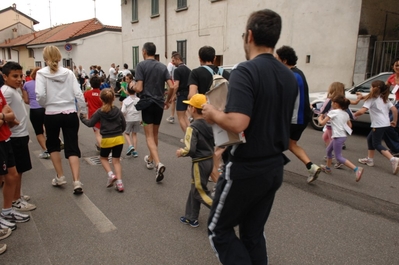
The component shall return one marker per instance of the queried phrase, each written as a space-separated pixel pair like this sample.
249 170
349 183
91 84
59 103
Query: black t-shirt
265 90
181 74
202 78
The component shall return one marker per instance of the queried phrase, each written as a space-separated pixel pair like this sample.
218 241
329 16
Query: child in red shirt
92 97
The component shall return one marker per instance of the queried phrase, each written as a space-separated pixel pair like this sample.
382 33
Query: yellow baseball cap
196 101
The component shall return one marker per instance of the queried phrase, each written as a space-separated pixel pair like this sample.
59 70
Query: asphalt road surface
333 221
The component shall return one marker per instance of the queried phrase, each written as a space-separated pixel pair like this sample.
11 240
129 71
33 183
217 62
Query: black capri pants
69 123
37 119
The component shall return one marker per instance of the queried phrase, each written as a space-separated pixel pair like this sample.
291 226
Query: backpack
218 79
119 77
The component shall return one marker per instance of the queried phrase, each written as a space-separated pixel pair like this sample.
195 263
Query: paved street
334 221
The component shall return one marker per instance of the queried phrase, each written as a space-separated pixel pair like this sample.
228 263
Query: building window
135 52
182 49
154 7
135 13
31 53
181 4
67 63
38 64
8 53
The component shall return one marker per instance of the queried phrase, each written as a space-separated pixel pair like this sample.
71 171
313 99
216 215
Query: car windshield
365 86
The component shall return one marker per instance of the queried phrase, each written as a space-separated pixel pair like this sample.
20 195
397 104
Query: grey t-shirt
154 75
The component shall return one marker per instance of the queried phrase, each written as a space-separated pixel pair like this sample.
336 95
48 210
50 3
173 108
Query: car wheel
315 122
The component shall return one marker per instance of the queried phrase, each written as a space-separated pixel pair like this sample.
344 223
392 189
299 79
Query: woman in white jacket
58 91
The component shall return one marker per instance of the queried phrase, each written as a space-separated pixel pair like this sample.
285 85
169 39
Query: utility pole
49 10
94 8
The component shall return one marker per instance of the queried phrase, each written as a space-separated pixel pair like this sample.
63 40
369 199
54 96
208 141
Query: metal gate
385 53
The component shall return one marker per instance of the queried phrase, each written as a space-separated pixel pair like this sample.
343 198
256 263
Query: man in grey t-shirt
151 76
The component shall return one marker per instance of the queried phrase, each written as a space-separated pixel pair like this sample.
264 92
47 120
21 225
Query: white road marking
99 220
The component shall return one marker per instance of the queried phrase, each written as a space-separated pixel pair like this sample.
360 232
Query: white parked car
317 99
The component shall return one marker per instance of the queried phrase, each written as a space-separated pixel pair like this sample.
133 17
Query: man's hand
166 105
13 123
207 112
178 152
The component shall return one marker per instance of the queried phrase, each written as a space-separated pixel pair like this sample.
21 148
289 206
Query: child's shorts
7 156
132 126
20 147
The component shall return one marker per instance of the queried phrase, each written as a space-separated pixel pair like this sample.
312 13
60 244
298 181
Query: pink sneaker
119 187
359 173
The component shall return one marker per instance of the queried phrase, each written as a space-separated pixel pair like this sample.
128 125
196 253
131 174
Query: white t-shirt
126 71
171 69
379 112
112 73
338 119
16 103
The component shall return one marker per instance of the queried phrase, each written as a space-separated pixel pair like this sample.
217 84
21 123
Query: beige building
325 34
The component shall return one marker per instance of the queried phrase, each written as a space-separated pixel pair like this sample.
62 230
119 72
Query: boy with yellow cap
199 145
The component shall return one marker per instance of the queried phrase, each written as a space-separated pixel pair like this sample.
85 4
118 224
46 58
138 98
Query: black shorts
116 151
152 114
37 119
296 131
20 147
180 96
6 156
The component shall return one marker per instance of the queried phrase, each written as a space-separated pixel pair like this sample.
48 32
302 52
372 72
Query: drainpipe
166 29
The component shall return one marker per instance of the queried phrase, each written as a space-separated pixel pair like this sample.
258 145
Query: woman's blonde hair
336 89
107 96
52 56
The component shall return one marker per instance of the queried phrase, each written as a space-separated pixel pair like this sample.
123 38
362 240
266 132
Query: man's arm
170 93
233 121
138 87
193 89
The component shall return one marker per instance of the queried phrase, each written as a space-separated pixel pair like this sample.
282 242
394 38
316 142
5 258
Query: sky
67 11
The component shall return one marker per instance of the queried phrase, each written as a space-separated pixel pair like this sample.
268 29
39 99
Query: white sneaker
3 248
160 169
111 180
6 224
314 172
44 155
77 187
5 232
23 206
366 161
58 181
395 164
149 164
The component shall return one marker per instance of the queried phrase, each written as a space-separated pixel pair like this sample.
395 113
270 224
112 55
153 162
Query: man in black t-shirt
260 102
180 86
200 78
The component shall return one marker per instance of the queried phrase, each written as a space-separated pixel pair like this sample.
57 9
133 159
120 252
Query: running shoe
170 119
366 161
149 164
314 172
44 155
192 223
26 197
160 170
135 154
3 248
119 187
23 206
58 181
98 149
359 173
395 165
325 169
130 150
111 180
77 187
5 232
338 165
15 217
6 224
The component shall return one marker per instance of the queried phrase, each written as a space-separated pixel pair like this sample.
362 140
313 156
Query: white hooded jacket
56 92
